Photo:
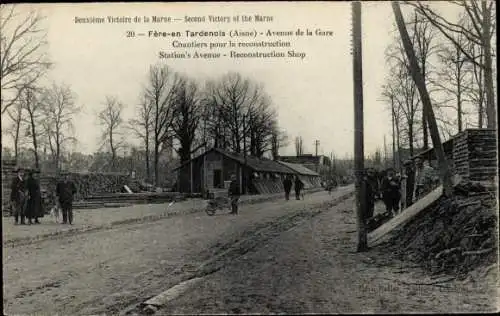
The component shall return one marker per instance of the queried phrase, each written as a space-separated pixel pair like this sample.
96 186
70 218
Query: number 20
130 33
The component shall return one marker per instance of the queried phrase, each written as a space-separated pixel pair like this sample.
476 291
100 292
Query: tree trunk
488 69
156 162
358 126
459 107
35 143
410 139
426 101
424 126
148 169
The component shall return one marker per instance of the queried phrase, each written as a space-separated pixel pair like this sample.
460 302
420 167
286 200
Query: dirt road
108 270
312 268
275 257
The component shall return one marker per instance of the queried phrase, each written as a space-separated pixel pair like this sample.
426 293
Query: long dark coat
35 207
287 185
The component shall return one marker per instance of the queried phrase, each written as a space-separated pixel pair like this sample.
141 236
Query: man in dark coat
287 184
371 189
65 190
18 196
410 182
298 185
234 194
391 187
34 207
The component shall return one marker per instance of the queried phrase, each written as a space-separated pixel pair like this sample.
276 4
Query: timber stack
8 167
475 155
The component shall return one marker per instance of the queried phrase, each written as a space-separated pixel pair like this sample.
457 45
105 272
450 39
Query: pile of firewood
89 183
454 235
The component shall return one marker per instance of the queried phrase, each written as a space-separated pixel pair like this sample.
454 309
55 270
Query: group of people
296 183
398 191
288 182
26 198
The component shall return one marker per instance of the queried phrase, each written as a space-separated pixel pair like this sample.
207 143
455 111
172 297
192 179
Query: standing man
298 187
65 190
287 184
423 178
370 182
409 182
391 187
34 207
234 194
18 196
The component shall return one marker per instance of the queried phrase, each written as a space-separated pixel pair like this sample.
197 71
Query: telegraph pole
316 145
358 124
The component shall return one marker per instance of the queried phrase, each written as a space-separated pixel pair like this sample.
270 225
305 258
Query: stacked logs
454 235
88 184
474 154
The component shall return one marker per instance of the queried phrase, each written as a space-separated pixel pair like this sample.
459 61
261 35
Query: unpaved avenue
108 271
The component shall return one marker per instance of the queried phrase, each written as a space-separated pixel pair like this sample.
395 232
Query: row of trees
175 111
455 62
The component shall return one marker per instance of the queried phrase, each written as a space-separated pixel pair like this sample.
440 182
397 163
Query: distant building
317 164
213 168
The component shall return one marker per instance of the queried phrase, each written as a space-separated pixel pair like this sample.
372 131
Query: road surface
277 256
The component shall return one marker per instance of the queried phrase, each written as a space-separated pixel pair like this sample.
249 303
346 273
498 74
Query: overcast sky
314 97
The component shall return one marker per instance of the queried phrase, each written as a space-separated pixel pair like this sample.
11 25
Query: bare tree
142 126
419 80
422 36
59 107
474 87
22 52
186 123
239 113
452 76
481 14
15 113
279 139
161 92
34 109
110 118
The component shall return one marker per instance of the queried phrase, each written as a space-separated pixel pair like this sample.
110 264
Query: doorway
217 178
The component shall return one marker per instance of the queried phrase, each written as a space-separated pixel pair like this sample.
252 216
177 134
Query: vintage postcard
249 157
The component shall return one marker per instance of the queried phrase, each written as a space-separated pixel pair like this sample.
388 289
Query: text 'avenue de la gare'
236 33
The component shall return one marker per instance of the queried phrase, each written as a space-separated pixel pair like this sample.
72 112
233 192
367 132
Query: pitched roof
298 168
257 164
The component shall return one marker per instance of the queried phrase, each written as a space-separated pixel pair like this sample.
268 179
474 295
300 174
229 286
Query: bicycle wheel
210 211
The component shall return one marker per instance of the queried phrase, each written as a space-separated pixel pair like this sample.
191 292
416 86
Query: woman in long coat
35 209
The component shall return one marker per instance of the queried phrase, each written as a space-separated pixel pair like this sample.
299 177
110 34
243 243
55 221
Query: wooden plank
383 232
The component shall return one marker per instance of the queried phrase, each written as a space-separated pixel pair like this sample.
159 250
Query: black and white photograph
299 157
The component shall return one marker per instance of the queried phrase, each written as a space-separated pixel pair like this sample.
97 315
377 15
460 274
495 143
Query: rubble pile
454 235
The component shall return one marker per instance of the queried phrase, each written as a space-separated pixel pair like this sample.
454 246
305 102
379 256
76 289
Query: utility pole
358 125
316 145
419 81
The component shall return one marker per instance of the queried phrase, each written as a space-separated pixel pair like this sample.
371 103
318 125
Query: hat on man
408 163
18 169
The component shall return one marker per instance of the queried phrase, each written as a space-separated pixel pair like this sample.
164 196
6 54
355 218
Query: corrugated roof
298 168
